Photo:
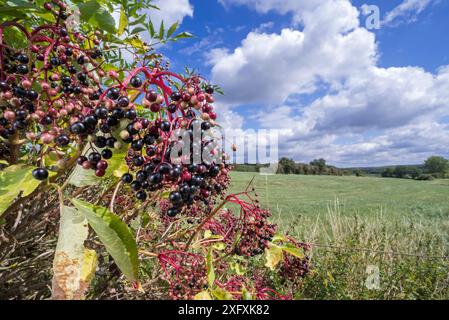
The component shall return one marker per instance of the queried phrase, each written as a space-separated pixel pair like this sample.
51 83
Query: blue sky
311 69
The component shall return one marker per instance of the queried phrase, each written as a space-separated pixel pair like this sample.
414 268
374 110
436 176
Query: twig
111 205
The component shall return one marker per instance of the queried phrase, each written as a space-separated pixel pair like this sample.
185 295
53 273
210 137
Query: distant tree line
434 167
289 166
315 167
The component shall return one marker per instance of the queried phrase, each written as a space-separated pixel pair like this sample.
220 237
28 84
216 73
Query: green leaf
81 177
210 268
139 20
172 29
151 28
88 9
105 20
114 234
15 180
123 22
47 16
12 5
137 30
161 31
183 35
246 295
238 268
73 264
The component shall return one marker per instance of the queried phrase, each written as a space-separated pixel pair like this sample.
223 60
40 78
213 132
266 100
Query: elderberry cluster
252 228
185 273
48 91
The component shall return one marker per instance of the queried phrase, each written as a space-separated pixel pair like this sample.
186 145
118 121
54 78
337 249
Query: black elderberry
214 171
136 186
136 82
165 126
63 32
22 69
175 96
110 142
21 114
172 108
205 126
113 93
80 60
81 160
101 113
127 178
141 176
106 154
131 114
81 76
63 140
138 161
137 145
141 195
155 178
149 139
22 58
105 128
175 197
100 142
90 121
172 212
54 61
118 113
151 96
77 90
123 102
131 129
40 174
78 128
175 173
112 121
165 168
209 89
94 157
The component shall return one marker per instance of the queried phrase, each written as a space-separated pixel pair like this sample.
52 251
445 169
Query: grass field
396 200
400 226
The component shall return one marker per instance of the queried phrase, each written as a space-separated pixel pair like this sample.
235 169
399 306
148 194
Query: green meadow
400 226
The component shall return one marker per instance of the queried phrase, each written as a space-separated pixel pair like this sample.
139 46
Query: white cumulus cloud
367 114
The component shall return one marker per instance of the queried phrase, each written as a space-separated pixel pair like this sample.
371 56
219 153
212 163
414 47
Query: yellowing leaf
273 256
73 265
210 268
203 295
294 251
238 268
121 170
221 294
123 22
89 265
136 43
15 180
